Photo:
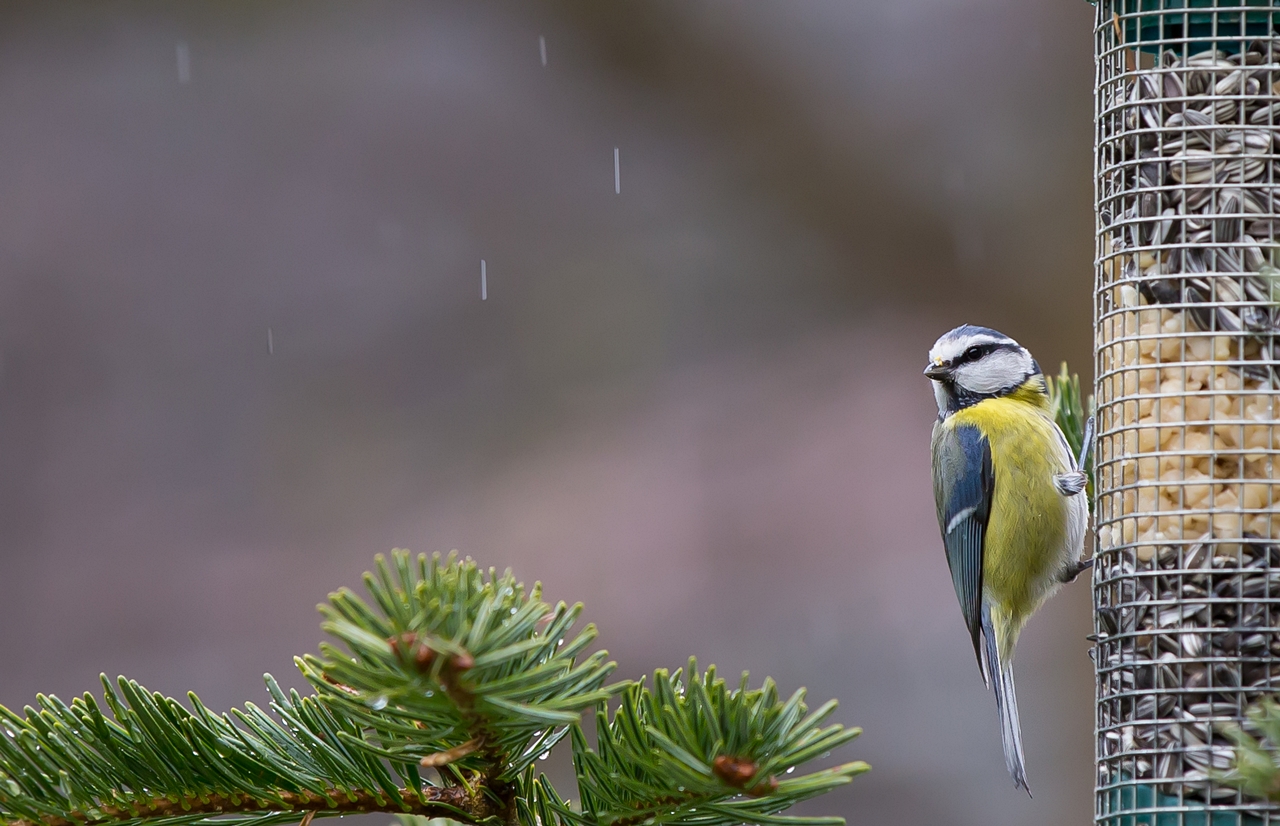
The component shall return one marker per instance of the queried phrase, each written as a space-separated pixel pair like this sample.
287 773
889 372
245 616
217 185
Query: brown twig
447 756
450 802
450 677
497 797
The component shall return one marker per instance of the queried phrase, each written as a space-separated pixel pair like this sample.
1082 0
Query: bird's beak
937 370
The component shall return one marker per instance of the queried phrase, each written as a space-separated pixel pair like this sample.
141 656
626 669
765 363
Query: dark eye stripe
975 352
978 351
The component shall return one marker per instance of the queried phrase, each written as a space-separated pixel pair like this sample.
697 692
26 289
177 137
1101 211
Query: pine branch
479 671
155 761
1256 767
693 751
450 669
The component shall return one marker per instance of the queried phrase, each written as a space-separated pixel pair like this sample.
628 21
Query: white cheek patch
994 372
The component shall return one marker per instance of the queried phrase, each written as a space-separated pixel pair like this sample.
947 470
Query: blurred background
243 346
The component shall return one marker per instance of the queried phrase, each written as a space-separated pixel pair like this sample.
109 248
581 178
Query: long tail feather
1006 703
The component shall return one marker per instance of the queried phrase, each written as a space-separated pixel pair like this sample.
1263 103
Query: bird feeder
1187 364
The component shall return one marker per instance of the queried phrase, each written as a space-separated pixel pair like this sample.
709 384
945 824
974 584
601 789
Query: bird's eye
973 352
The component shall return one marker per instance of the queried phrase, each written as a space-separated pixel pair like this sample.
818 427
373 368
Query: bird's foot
1071 482
1074 569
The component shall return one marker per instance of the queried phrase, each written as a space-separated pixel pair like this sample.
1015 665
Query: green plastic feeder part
1157 25
1141 806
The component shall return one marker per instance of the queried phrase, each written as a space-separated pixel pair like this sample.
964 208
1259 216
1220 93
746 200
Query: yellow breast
1026 542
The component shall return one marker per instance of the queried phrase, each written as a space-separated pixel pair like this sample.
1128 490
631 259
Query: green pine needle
1256 768
452 682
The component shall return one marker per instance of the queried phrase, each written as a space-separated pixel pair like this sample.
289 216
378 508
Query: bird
1009 496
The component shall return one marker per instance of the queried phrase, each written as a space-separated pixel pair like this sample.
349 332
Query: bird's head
971 363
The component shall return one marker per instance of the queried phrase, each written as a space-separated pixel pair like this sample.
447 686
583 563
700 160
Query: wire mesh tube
1187 578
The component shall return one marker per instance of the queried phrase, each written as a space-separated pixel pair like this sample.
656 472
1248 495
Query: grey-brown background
695 406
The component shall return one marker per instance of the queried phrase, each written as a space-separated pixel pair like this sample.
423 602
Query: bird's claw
1086 444
1075 569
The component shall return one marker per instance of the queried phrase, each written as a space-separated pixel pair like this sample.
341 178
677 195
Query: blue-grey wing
963 486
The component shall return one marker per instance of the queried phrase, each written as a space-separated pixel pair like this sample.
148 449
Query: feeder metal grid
1187 574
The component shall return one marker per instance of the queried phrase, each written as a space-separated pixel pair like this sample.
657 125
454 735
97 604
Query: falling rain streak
184 62
271 344
484 282
542 49
617 173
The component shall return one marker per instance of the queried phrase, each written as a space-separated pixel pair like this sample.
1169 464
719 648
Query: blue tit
1009 500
